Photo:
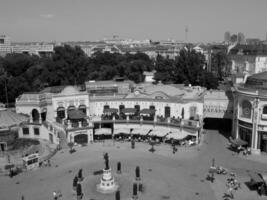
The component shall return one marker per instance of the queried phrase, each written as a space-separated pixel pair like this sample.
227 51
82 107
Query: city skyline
207 20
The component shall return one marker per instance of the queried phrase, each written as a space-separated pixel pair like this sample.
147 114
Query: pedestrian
55 195
49 163
238 149
230 190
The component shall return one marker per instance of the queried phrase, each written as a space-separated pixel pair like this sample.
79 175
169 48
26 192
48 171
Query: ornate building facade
250 112
78 116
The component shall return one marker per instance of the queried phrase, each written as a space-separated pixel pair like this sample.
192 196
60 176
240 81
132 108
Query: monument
107 183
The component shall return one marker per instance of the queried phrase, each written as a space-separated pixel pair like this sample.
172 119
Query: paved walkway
166 175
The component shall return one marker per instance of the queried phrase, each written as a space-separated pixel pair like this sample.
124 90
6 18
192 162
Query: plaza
165 175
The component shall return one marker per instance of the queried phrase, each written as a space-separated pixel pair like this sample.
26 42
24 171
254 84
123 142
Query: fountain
107 183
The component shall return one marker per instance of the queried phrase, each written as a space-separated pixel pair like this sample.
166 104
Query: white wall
44 133
261 64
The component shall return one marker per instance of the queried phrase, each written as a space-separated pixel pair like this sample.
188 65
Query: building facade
5 45
78 116
250 112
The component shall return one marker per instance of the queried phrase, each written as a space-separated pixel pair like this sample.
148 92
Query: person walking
55 195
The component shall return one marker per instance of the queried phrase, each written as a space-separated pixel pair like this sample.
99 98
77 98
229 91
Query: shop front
245 132
262 141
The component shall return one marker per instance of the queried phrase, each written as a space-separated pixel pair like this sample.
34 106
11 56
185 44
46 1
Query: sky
88 20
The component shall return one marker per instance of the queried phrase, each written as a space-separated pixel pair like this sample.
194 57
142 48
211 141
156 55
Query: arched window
35 115
137 107
121 107
264 110
82 108
106 107
61 112
246 108
152 107
193 111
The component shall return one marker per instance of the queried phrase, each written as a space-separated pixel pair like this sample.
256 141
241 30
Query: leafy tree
220 65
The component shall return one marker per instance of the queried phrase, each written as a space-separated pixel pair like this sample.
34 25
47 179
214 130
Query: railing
183 123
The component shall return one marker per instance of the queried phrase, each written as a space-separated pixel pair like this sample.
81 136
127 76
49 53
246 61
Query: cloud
47 16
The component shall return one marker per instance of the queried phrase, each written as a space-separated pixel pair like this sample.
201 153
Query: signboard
246 124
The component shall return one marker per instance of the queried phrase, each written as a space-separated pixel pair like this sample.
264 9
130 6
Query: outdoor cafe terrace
79 120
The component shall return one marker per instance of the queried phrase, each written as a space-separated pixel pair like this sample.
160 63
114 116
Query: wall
44 133
96 107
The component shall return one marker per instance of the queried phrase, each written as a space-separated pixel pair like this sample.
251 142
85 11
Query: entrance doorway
81 139
3 147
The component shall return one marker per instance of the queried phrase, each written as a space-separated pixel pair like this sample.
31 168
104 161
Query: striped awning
147 111
110 110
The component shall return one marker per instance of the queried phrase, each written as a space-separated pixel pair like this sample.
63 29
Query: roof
70 90
166 89
9 118
257 81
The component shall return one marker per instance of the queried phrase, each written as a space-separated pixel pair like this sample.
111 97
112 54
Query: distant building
253 41
33 48
5 45
241 38
227 37
149 76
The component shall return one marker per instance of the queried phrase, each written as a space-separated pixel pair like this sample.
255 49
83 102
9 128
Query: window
36 131
246 109
264 111
25 131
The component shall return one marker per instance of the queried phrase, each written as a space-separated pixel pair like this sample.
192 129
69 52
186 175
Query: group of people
245 150
232 184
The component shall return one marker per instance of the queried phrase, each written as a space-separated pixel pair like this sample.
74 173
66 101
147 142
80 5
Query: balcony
190 124
77 124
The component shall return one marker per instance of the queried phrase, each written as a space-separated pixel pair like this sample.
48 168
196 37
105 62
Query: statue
106 161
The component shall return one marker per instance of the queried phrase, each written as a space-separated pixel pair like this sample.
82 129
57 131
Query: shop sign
246 124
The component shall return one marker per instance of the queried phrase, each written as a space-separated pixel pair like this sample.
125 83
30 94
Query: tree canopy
71 66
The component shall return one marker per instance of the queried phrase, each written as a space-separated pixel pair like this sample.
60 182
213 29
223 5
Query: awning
238 142
129 110
177 135
9 118
110 110
147 111
103 131
76 114
121 130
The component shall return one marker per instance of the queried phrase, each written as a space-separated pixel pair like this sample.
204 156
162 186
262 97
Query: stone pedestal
256 151
107 183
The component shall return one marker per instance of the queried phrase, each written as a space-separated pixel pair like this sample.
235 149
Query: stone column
255 126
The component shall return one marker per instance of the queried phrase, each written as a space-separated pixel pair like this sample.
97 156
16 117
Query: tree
233 38
220 64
